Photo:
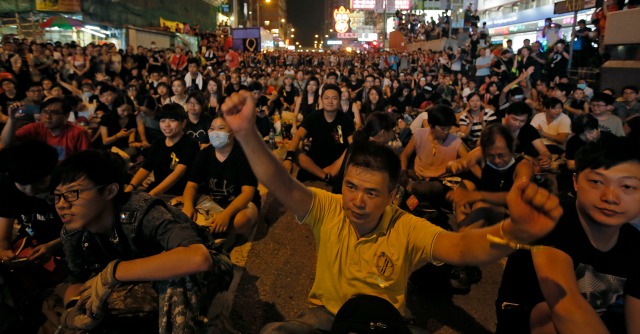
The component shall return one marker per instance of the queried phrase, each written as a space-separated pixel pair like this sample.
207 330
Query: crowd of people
129 174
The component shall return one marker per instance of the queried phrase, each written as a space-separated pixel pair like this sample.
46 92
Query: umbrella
61 22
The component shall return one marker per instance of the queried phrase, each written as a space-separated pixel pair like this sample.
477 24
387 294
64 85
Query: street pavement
275 272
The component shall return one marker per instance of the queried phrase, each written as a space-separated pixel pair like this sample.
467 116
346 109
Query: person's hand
239 112
190 211
40 254
544 161
220 223
13 111
96 290
456 166
461 197
534 211
100 76
74 318
7 255
122 134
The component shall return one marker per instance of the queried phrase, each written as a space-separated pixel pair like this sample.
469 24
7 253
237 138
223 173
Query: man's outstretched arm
239 112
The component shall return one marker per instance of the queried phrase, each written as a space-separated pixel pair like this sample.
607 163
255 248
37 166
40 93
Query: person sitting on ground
328 133
500 168
629 106
528 141
53 129
434 147
193 79
148 125
135 263
168 159
341 224
118 129
553 126
221 172
475 118
28 274
582 279
601 107
198 122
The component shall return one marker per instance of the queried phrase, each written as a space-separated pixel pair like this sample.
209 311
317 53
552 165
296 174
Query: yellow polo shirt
378 263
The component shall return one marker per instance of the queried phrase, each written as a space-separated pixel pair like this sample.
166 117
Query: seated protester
434 147
193 79
221 172
148 126
403 131
585 129
360 226
584 281
578 104
179 89
263 121
10 94
135 263
328 133
500 168
373 102
287 95
107 95
379 127
629 106
164 93
31 105
428 94
528 141
309 101
553 126
169 159
601 107
475 118
234 85
401 100
26 275
213 95
198 121
53 129
118 129
491 98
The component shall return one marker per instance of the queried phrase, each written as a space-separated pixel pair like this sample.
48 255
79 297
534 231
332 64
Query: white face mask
219 139
513 161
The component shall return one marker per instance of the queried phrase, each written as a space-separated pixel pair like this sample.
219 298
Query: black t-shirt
112 123
524 142
604 278
37 219
223 180
289 96
493 180
263 123
328 140
162 160
6 101
199 131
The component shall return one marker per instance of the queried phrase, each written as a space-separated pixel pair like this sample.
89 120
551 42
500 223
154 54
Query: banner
72 6
173 26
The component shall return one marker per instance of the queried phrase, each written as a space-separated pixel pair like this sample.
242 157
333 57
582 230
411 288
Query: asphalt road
276 270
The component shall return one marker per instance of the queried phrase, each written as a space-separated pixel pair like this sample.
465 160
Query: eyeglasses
69 196
597 105
52 112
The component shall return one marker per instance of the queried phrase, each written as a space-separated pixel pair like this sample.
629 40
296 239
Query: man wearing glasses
135 264
53 128
601 106
31 104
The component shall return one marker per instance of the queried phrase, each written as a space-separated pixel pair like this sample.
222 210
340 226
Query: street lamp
316 36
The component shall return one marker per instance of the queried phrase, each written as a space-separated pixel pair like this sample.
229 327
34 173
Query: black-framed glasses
69 196
52 112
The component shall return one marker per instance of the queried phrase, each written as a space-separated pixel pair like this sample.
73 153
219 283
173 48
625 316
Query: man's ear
575 182
111 191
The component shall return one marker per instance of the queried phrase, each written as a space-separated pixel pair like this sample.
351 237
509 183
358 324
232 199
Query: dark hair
172 111
29 162
473 94
66 106
603 97
630 87
491 132
376 122
193 61
108 88
316 95
184 83
100 167
198 97
584 122
563 87
122 100
441 115
518 109
613 91
375 157
327 87
607 154
332 74
551 102
149 102
255 86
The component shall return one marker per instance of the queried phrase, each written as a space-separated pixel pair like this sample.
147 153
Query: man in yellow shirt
366 246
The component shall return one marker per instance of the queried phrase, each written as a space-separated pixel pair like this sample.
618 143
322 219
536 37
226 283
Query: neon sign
341 15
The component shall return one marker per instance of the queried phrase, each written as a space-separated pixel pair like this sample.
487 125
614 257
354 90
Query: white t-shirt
562 124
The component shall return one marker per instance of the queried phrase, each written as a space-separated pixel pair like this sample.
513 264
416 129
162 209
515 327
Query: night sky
307 17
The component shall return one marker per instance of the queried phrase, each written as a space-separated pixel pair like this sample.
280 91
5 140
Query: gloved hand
74 318
95 291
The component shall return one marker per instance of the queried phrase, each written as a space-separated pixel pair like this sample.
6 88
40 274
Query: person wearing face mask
168 159
221 173
500 167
